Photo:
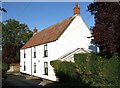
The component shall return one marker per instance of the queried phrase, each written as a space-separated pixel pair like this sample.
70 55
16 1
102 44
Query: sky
44 14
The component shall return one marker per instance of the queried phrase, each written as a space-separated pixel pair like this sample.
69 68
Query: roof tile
49 34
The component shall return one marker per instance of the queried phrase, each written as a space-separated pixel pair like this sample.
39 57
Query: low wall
14 67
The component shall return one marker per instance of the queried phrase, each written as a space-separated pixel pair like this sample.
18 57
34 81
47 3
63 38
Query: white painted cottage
59 41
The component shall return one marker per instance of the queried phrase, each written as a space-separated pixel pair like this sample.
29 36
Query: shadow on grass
68 85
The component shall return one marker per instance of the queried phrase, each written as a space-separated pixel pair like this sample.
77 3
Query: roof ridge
55 24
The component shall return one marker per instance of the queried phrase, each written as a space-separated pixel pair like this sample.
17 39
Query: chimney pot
35 30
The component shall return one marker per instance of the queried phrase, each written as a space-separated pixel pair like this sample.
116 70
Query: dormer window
34 52
24 54
45 51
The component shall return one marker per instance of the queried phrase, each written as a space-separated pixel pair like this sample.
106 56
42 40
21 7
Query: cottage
59 41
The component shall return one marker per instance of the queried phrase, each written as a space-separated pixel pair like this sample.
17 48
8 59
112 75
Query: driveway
17 81
14 81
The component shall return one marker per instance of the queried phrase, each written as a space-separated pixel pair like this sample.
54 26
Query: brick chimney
35 30
76 9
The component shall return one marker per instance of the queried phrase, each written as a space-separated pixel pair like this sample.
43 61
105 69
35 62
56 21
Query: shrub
90 68
98 70
5 67
65 71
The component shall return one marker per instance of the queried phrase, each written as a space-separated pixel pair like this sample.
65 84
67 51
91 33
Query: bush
5 67
65 71
90 68
98 70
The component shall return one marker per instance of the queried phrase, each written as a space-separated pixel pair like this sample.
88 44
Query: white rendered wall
74 37
27 61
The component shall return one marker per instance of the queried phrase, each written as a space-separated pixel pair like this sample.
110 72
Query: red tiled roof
49 34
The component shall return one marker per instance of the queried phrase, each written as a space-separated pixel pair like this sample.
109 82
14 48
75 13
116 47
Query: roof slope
49 34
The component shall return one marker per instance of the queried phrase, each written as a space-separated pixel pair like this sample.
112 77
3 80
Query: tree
106 32
2 9
14 36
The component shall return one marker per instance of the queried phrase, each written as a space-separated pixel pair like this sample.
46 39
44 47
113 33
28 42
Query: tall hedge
65 71
91 68
98 70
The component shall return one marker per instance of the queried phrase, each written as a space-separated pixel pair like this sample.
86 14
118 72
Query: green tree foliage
106 31
14 36
91 69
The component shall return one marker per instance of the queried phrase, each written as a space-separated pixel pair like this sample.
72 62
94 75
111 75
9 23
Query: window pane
45 47
46 71
46 68
34 67
34 54
24 66
46 64
24 54
34 48
45 53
